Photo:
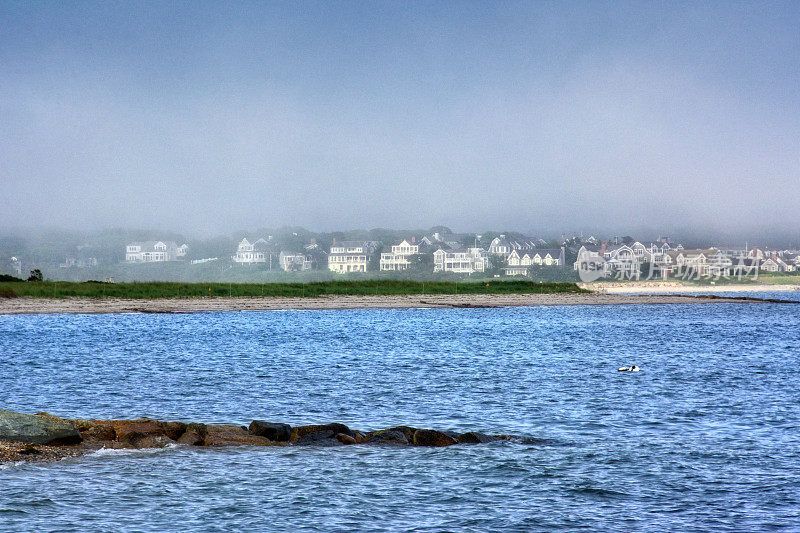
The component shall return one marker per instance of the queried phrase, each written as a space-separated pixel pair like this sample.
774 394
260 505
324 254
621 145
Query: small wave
137 451
600 492
13 512
535 441
11 464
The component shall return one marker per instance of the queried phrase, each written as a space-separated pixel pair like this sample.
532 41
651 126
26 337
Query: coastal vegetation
149 290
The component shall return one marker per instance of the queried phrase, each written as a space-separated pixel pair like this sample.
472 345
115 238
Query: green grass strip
90 289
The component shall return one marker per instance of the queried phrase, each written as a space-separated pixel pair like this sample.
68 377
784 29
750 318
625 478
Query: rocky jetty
44 437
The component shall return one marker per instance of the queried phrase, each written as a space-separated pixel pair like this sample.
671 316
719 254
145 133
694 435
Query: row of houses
448 256
514 257
154 251
663 260
446 251
263 251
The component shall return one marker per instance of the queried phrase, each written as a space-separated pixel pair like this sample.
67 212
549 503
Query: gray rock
389 437
273 431
408 431
324 437
430 437
301 431
20 427
345 439
474 437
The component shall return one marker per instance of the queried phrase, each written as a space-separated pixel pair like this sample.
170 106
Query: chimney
603 249
413 239
334 240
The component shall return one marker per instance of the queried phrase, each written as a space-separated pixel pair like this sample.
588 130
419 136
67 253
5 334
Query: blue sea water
705 437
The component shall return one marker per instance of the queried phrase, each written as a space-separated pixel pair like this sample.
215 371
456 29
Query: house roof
348 244
500 241
554 252
149 246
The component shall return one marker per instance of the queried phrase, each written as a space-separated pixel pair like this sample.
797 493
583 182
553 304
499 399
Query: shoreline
28 305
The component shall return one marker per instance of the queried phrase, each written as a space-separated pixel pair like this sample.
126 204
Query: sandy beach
196 305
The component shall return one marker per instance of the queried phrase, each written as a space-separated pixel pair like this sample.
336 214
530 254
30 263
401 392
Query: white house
623 261
460 260
349 256
519 262
397 259
154 251
294 262
248 253
79 262
515 266
590 258
777 264
702 263
544 257
501 246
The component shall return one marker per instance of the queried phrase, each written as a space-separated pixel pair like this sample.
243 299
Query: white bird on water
633 368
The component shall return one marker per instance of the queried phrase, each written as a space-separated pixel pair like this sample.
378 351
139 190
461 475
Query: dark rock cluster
27 431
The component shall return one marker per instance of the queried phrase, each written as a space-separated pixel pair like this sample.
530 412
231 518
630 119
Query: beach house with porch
460 260
397 259
349 256
154 251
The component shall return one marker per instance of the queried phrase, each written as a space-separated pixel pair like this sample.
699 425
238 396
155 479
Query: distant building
349 256
16 266
204 260
697 263
79 262
777 264
622 260
248 253
460 260
792 258
500 246
519 263
294 262
397 259
154 252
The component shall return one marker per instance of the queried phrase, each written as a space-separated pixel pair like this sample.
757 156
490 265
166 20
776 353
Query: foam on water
102 452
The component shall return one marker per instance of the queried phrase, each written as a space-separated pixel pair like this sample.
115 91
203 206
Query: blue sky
535 116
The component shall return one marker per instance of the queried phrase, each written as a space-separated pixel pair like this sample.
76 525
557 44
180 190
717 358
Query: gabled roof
542 252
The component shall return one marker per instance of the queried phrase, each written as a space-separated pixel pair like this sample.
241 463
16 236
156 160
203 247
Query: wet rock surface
44 437
389 437
431 437
37 429
272 431
473 437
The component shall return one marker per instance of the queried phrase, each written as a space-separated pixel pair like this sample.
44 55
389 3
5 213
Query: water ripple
703 438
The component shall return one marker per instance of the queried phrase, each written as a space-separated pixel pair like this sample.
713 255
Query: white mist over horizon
601 118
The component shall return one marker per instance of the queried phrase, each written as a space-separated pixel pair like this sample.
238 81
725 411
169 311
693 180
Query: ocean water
705 437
